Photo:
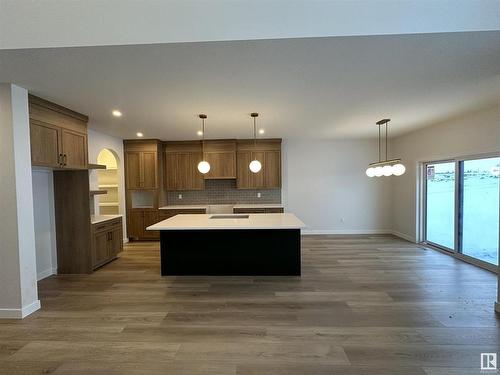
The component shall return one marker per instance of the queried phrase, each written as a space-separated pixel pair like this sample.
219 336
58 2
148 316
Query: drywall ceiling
57 23
303 88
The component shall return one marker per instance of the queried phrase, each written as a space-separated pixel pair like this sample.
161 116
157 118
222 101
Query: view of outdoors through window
480 207
441 204
480 218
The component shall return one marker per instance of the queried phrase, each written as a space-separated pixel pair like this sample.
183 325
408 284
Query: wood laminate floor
364 305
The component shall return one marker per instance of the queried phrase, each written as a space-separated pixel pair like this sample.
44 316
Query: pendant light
255 165
385 167
203 166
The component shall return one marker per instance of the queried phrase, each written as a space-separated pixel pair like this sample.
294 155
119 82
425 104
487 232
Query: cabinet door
100 248
257 180
150 218
116 242
196 180
243 178
135 224
133 169
170 172
222 165
148 170
74 149
44 144
272 169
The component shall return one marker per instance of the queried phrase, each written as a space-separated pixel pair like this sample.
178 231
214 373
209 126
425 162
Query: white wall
18 284
97 141
474 133
43 209
324 182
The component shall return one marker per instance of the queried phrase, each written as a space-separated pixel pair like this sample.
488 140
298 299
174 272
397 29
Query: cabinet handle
65 159
60 159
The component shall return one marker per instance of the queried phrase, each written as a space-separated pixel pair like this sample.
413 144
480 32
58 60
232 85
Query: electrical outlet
180 196
342 220
259 195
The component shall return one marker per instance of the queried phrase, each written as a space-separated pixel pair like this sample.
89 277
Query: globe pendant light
203 166
385 167
255 165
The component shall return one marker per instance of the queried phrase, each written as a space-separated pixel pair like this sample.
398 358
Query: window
480 207
462 207
440 212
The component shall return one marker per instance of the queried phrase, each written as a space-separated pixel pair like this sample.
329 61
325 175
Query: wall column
18 285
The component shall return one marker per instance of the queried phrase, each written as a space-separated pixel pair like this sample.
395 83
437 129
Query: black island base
234 252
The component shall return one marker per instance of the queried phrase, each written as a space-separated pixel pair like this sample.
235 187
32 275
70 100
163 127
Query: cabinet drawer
165 214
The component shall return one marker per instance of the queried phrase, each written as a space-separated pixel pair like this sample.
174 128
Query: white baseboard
48 272
358 231
345 231
20 313
404 236
125 240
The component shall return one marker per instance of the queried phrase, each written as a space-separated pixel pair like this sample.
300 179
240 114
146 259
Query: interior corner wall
97 141
325 185
471 134
43 210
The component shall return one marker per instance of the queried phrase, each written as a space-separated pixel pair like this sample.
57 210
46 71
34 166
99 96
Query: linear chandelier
384 167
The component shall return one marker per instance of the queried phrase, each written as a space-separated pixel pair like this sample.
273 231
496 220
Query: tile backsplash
224 192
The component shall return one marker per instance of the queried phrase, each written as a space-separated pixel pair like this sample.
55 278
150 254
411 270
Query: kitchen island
230 245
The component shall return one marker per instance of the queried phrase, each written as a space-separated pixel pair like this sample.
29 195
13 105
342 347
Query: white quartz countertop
95 219
204 221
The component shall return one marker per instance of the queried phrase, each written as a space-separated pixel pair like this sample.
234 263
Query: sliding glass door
480 207
440 199
462 207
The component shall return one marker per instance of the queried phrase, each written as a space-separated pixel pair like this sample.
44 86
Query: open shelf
108 186
98 192
96 166
108 204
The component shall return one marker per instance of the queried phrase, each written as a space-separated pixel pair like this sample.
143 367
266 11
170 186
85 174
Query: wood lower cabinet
58 136
107 241
139 220
259 210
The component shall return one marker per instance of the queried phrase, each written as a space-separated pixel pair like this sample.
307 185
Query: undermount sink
231 216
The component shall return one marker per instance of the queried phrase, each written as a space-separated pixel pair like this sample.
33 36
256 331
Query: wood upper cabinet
74 149
268 152
181 166
141 164
133 168
221 155
44 144
58 135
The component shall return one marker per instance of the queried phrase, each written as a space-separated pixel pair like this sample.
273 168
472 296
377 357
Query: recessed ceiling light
199 132
139 134
116 113
261 131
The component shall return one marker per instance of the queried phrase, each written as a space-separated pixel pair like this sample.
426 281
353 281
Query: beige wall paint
470 134
325 185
